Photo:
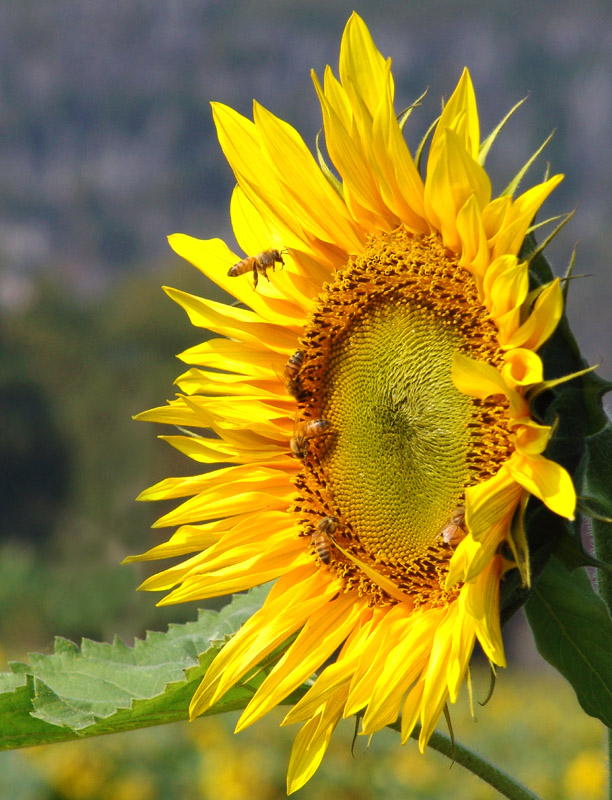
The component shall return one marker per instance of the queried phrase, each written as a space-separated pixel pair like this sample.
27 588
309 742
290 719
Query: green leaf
573 632
598 472
105 688
570 551
598 487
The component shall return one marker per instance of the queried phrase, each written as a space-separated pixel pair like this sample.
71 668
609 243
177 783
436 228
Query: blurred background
106 146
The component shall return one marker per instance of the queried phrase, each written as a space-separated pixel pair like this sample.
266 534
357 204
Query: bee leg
255 277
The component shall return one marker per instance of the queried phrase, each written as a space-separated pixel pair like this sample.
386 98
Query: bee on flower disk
455 526
260 264
292 371
304 432
321 537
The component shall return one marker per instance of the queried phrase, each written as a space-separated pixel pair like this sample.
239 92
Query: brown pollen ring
404 443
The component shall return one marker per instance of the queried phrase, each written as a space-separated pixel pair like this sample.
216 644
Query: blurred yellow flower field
533 725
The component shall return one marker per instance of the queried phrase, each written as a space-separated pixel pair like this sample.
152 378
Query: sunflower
368 399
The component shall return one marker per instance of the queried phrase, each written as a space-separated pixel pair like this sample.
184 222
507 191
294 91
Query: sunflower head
371 402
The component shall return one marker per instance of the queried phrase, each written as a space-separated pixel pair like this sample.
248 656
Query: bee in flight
321 537
304 432
454 527
260 264
292 370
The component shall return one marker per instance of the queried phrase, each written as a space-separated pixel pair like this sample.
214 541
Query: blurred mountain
106 138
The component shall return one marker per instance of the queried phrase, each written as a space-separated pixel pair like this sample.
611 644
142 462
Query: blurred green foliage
73 460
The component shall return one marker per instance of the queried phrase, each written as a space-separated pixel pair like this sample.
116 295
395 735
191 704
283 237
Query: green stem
475 764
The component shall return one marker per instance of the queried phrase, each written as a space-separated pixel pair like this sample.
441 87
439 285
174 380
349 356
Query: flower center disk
404 442
396 464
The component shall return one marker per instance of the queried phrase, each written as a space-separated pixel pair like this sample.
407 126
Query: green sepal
565 218
403 115
101 688
486 144
518 543
335 183
539 268
573 632
514 183
418 156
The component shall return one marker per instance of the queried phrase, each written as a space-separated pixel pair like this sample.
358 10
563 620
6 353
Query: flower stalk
476 764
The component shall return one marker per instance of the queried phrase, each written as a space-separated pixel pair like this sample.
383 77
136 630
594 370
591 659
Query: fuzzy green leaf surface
573 632
103 688
598 488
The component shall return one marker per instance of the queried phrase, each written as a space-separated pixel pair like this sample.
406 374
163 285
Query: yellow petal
491 501
474 246
462 645
505 285
476 378
483 605
236 323
362 67
480 379
309 193
360 187
547 480
228 501
251 572
214 258
371 662
324 631
212 384
522 368
411 709
402 666
188 539
336 675
241 146
452 177
311 743
471 557
295 597
531 438
460 115
401 185
228 355
542 321
520 216
494 215
192 484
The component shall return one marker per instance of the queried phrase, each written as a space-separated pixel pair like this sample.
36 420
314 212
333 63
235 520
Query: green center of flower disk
402 443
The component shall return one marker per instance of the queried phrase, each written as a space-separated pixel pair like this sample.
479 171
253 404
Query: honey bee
292 370
260 264
304 432
320 537
456 524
